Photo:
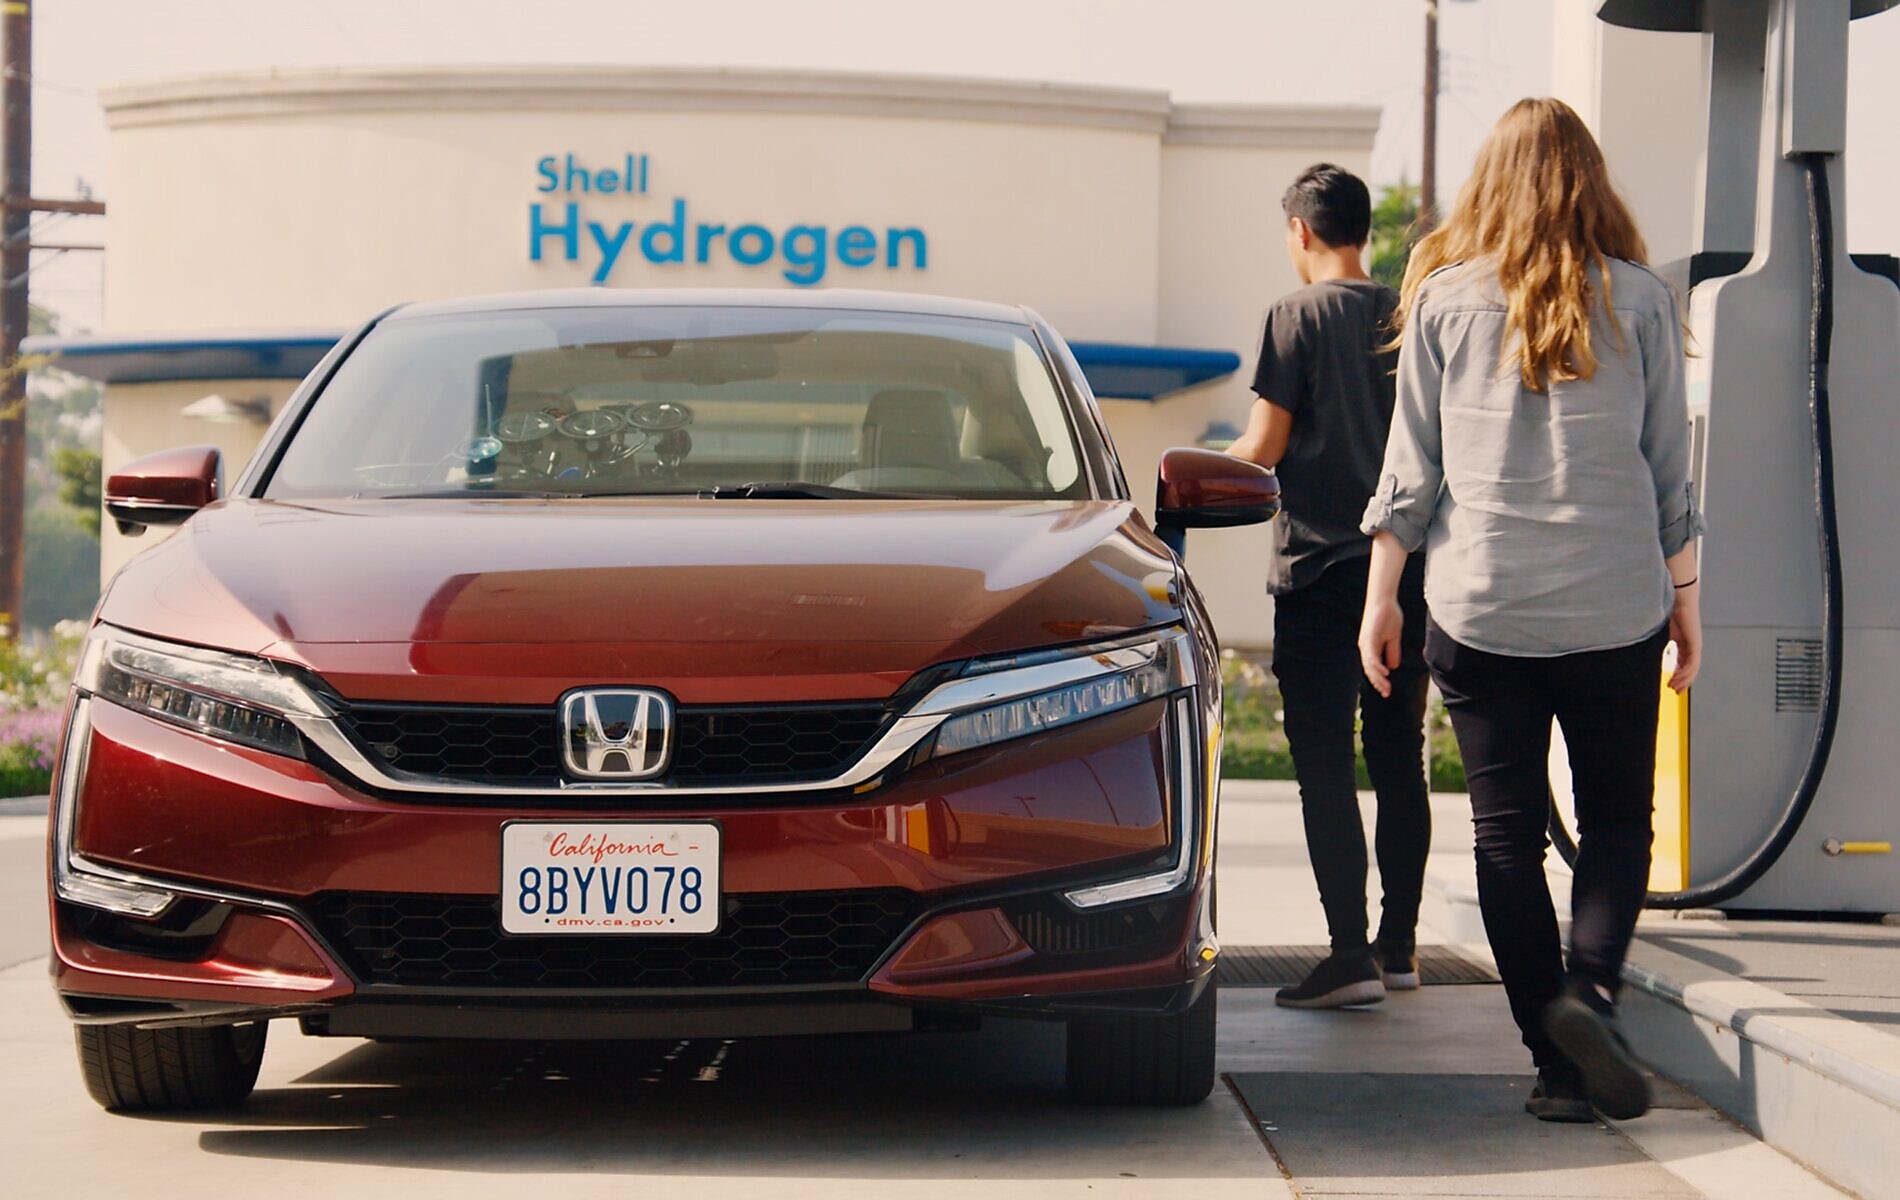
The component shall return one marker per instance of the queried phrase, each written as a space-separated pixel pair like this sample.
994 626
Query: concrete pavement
1418 1096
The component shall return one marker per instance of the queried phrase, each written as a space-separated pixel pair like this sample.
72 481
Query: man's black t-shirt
1320 360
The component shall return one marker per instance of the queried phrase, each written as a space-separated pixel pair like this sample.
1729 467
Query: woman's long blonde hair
1540 207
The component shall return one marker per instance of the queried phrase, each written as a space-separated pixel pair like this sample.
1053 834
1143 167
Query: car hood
721 600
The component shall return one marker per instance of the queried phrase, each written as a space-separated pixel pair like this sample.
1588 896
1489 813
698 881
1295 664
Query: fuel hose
1820 423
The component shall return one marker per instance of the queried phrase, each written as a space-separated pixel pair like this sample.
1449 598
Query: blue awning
1116 371
159 359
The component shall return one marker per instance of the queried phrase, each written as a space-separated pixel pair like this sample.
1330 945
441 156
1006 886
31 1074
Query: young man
1325 389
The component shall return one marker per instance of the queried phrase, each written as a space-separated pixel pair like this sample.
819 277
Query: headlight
229 696
1001 699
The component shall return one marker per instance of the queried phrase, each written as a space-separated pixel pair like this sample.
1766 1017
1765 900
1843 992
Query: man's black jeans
1323 689
1501 709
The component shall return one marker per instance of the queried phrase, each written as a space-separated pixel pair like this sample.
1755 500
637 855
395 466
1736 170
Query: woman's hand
1384 620
1685 630
1379 633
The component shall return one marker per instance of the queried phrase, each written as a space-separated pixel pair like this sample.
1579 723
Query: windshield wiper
788 489
459 494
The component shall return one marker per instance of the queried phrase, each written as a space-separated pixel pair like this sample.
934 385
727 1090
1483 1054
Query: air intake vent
1797 675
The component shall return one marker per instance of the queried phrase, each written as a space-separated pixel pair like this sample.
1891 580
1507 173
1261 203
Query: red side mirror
164 488
1205 488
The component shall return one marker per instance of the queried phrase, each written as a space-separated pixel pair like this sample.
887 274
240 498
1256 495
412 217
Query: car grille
786 743
764 940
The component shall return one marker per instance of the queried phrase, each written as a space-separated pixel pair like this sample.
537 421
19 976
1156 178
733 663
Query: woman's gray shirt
1545 517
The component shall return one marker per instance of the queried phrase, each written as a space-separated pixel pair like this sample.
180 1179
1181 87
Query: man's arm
1268 427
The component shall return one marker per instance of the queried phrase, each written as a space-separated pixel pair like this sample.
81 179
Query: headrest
910 427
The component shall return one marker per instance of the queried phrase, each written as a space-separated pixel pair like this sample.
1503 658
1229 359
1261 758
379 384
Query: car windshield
741 402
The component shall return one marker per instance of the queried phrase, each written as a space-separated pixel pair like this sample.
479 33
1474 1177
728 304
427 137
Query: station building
256 218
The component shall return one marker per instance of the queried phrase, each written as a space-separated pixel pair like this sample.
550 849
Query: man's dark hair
1333 202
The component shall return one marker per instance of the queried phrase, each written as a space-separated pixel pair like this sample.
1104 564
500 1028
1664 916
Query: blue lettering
576 174
643 174
609 890
645 887
915 237
857 246
550 178
530 890
675 233
568 231
706 235
607 180
610 246
759 234
810 256
583 878
557 890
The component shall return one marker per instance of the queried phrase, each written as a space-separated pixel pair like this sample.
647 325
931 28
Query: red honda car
622 665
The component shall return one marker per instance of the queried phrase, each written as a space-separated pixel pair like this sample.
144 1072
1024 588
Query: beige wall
315 199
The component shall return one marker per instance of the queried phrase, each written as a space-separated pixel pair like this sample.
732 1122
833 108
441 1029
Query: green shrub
1253 741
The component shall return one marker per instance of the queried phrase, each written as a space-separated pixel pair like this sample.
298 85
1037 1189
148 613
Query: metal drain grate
1284 966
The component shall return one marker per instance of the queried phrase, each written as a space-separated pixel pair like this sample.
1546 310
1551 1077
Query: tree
78 470
1394 230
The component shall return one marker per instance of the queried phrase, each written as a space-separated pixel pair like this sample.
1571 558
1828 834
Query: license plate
598 877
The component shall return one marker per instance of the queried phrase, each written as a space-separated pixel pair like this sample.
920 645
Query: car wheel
128 1069
1160 1061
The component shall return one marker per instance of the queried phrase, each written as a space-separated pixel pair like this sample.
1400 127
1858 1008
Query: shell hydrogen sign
804 254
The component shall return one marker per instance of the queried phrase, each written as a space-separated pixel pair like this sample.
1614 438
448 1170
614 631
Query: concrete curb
1819 1087
23 806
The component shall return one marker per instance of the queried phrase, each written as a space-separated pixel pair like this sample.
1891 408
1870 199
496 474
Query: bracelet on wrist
1691 583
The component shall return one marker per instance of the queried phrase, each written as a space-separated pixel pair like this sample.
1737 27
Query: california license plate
609 877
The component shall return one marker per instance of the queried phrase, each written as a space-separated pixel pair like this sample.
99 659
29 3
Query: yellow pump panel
1669 863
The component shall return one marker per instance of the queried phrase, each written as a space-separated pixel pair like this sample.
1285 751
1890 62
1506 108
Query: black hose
1833 635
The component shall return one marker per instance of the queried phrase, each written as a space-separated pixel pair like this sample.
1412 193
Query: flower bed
26 751
34 678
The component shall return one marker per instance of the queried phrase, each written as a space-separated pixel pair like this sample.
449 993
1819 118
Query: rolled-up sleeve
1414 471
1666 431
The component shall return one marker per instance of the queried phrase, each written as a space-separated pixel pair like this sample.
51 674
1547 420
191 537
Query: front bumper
256 847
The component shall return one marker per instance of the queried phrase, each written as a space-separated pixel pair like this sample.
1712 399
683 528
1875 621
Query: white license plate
609 877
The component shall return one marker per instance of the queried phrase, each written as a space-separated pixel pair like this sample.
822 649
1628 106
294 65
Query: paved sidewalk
1422 1095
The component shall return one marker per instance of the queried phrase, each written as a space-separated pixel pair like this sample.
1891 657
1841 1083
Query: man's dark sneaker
1398 966
1581 1023
1340 981
1558 1096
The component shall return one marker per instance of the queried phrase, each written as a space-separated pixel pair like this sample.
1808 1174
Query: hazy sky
1235 50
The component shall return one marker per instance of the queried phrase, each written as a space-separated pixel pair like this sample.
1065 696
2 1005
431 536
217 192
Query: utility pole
16 151
1428 156
17 206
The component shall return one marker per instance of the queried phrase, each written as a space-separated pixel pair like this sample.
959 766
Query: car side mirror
164 488
1205 489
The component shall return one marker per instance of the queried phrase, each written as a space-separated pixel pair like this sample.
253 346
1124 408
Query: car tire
129 1070
1153 1061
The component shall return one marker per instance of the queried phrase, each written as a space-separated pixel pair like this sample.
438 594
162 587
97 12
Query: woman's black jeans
1501 709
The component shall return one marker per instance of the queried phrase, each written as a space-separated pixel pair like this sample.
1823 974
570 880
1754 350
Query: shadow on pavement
917 1106
1376 1134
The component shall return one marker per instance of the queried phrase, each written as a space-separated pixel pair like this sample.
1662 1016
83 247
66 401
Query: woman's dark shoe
1581 1026
1559 1097
1398 966
1340 981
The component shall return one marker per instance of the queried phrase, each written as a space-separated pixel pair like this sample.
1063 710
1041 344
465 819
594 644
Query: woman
1540 453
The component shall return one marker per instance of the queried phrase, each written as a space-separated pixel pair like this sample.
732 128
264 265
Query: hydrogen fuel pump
1779 775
